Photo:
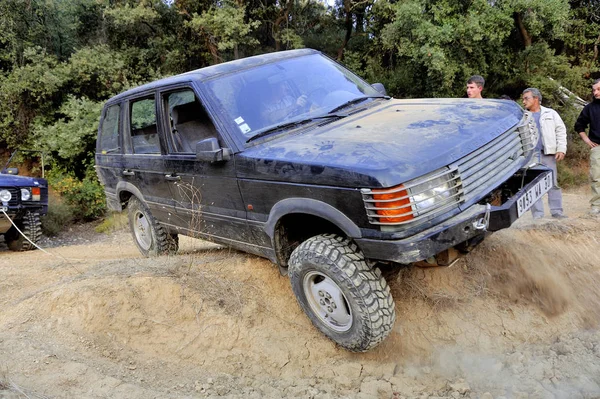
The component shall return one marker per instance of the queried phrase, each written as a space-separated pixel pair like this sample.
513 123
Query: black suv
23 200
292 157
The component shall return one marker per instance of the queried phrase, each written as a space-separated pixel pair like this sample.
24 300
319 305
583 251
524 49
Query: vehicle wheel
150 237
345 299
31 226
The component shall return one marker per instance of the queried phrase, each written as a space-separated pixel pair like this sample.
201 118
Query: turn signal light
393 206
36 193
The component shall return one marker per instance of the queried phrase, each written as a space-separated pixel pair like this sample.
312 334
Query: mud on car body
23 200
292 157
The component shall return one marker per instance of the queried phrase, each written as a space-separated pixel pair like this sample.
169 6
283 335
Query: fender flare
126 186
312 207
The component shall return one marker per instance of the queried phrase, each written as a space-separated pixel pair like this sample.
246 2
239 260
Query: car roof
216 70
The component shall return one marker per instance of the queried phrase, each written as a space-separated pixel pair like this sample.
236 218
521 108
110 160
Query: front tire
150 237
345 299
31 226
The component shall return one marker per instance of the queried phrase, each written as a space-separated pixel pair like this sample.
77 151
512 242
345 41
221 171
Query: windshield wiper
355 101
285 125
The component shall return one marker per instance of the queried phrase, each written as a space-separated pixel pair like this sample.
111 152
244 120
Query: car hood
20 181
384 145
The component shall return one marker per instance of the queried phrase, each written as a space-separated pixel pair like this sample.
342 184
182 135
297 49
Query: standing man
475 86
590 116
550 149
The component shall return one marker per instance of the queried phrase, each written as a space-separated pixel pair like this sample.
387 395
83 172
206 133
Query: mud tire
31 226
149 236
333 265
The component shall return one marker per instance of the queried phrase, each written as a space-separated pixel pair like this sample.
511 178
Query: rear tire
150 237
345 299
31 226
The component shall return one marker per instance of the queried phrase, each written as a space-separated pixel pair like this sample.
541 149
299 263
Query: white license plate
533 194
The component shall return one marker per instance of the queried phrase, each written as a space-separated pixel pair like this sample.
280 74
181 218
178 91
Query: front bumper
457 229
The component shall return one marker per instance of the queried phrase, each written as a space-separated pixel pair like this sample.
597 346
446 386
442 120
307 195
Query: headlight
25 194
421 198
5 195
426 195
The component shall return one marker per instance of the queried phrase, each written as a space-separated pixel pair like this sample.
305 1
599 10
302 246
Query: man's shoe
560 216
537 217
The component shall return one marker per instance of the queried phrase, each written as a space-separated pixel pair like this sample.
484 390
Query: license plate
534 193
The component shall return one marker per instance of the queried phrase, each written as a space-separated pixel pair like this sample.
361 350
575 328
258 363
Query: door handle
128 172
173 177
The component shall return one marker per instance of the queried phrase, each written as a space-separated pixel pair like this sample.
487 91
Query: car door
208 202
109 152
143 167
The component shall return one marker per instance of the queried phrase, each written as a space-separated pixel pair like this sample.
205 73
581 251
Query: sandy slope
516 318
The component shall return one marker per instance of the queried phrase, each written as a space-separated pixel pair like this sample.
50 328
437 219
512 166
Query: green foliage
58 217
226 26
71 139
85 197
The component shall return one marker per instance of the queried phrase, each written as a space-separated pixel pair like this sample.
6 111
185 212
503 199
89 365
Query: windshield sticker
244 128
239 120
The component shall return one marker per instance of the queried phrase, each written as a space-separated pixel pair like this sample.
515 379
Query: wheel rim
327 301
141 228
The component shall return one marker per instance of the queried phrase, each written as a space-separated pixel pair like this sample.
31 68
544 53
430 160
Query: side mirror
380 88
10 171
209 150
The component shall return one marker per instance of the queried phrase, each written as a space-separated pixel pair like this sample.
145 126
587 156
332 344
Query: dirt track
517 318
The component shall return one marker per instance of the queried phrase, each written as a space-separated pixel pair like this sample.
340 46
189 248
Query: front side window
189 121
144 135
269 95
109 132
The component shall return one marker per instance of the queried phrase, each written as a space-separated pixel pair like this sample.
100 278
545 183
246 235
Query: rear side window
144 136
109 133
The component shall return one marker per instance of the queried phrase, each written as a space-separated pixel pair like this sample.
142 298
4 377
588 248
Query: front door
207 197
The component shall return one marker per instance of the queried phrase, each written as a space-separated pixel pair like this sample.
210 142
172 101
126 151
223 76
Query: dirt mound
516 317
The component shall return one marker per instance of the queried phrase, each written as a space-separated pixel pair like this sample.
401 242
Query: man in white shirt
550 149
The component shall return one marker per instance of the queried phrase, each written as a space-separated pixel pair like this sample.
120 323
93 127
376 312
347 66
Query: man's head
532 99
475 86
596 89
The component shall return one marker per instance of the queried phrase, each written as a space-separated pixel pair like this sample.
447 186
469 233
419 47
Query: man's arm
587 140
561 137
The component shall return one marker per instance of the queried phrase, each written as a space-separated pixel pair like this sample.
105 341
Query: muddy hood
386 145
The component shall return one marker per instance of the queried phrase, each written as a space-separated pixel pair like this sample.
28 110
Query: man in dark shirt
590 116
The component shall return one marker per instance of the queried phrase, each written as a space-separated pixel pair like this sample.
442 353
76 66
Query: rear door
109 152
208 200
143 165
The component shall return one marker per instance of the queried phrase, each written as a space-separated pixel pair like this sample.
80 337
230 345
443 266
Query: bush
59 215
86 197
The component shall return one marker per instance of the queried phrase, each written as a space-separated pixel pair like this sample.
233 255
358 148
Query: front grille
483 169
470 178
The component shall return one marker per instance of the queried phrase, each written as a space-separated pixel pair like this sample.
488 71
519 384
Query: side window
189 121
109 133
144 136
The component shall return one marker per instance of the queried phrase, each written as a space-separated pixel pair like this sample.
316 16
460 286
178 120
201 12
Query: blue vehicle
292 157
23 200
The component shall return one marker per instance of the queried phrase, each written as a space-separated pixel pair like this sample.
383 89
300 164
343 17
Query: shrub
59 215
86 196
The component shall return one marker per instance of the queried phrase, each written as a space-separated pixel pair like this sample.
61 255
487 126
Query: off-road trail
516 318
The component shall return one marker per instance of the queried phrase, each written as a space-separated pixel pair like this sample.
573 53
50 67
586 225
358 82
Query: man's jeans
555 193
595 174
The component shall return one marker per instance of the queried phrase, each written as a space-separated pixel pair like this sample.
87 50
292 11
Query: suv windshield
261 98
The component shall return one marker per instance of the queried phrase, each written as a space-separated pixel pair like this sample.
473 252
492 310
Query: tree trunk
348 25
522 30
